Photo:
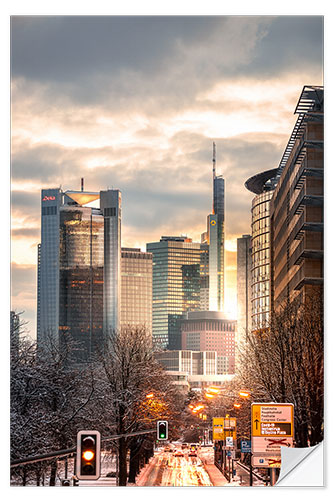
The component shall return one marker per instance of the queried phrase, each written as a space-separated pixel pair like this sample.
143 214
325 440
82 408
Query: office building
243 287
204 274
79 268
263 185
136 288
210 331
297 205
191 362
176 284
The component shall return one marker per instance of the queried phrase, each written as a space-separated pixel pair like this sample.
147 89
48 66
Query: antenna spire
214 172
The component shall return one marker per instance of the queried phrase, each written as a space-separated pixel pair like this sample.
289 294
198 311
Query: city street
170 470
167 250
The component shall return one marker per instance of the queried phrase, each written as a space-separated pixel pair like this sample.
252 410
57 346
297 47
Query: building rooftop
206 315
264 181
176 238
309 108
82 197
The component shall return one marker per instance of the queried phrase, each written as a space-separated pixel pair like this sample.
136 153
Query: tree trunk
24 476
53 474
316 431
301 428
122 462
134 460
38 475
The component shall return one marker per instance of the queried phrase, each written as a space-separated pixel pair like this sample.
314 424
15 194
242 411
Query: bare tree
49 401
130 372
285 363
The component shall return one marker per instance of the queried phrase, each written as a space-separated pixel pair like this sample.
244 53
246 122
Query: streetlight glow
215 390
197 408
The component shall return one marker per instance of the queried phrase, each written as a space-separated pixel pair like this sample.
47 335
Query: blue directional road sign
245 446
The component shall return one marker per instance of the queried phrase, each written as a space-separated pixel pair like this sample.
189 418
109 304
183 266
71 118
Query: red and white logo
48 198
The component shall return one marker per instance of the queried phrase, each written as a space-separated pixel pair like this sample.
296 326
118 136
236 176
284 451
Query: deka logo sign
48 198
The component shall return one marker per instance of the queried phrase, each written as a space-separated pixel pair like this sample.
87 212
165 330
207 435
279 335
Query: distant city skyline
135 103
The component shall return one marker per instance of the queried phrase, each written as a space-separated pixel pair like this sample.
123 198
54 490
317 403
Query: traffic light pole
251 471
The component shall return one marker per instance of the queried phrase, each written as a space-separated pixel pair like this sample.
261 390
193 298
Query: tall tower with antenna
214 160
215 236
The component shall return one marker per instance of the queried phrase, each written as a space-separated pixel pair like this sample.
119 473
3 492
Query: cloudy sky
135 103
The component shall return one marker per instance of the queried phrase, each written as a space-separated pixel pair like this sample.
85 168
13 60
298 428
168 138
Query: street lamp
214 390
244 394
197 408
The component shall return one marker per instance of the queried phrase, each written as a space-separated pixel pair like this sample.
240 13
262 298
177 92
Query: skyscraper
218 206
176 283
136 288
243 286
214 238
262 185
79 268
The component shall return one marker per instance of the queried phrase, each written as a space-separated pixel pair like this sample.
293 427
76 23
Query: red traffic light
88 457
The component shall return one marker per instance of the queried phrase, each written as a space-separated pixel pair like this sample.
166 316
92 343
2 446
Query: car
178 453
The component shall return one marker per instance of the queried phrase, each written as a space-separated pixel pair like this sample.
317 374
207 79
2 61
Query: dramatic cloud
136 102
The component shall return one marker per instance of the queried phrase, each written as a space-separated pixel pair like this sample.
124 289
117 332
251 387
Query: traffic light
88 455
162 430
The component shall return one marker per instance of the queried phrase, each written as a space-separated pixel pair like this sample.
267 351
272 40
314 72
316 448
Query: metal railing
70 451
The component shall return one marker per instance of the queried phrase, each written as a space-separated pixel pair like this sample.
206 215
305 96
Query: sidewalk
216 477
144 473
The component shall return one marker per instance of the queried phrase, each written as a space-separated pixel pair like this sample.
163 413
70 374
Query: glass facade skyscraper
243 287
212 262
176 283
219 212
110 203
81 263
79 266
